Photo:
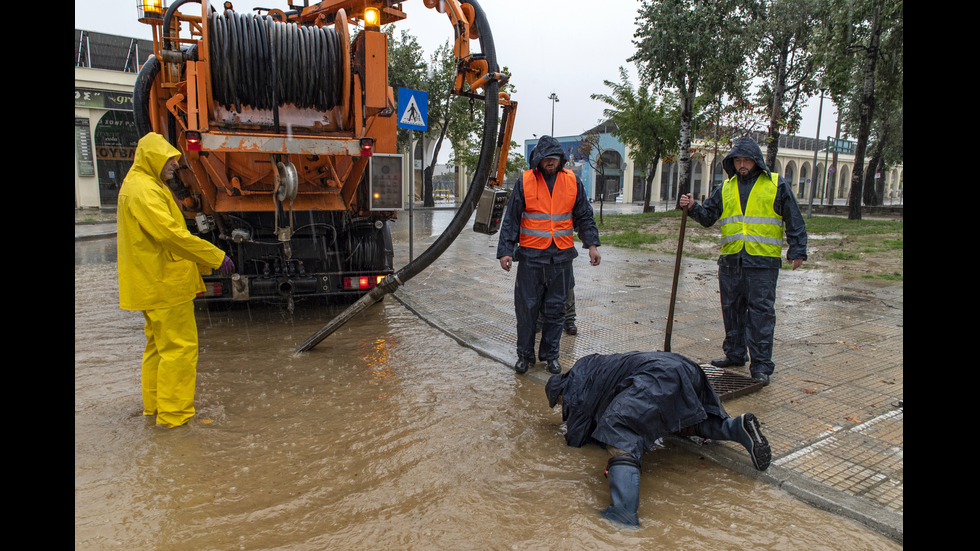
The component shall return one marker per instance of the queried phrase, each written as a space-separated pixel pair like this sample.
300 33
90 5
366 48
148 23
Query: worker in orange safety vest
548 203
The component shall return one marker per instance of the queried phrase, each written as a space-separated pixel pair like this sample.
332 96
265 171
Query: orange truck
287 126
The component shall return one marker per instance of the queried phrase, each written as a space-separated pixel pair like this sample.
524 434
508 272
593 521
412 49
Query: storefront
105 132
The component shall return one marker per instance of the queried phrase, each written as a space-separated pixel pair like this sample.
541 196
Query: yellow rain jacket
158 257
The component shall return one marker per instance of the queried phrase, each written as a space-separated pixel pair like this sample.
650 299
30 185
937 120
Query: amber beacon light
150 9
372 18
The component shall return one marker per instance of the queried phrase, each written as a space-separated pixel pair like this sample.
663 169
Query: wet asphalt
833 412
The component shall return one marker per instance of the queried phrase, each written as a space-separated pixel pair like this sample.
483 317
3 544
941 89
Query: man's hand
686 200
227 266
594 256
797 262
506 262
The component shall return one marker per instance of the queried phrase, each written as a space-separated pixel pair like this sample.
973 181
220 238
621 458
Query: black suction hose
168 17
141 95
480 178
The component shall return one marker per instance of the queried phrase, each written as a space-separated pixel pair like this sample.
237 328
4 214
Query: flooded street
388 435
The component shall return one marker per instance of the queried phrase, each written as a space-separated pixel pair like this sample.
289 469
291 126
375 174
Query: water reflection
388 435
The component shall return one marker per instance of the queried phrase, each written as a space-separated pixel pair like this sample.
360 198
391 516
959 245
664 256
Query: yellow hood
152 153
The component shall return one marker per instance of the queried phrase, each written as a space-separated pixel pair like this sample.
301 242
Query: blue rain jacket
630 400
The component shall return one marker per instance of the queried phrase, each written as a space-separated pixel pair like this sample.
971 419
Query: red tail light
367 147
193 141
362 282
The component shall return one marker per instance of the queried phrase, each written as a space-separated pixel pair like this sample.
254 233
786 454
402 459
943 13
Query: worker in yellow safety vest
756 210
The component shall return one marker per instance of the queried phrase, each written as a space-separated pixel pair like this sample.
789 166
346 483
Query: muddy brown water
388 435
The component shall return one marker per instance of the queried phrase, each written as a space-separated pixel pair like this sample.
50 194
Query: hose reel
259 62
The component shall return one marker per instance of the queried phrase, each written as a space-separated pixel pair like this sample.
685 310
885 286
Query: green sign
840 146
103 99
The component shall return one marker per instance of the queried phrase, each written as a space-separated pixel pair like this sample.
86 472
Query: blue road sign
413 109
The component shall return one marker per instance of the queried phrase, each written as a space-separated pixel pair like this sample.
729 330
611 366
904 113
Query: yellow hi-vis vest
548 216
759 230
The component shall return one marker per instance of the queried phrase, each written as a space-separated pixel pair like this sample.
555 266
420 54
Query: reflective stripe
535 233
763 220
752 239
545 233
536 215
546 216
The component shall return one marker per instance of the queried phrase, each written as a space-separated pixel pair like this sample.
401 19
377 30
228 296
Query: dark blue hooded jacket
510 227
630 400
785 205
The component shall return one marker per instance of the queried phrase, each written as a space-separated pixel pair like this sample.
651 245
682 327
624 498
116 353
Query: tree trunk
684 151
428 198
874 191
872 197
867 109
651 172
832 181
778 91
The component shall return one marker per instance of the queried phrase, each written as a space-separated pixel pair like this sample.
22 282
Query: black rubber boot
522 365
745 430
623 473
553 367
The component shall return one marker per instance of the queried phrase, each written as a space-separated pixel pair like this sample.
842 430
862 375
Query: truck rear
288 130
288 135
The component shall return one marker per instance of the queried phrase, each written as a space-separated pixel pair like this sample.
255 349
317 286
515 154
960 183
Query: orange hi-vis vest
548 215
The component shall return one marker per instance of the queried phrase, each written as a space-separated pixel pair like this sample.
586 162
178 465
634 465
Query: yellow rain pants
170 364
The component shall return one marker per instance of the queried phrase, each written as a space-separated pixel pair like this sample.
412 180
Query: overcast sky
568 47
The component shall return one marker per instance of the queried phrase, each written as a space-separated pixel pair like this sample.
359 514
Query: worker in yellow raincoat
160 267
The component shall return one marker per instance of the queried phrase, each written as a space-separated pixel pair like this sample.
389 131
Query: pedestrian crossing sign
413 109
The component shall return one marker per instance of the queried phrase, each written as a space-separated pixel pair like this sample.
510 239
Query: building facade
105 131
617 179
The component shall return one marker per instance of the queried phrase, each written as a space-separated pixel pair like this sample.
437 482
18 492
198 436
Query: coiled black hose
262 63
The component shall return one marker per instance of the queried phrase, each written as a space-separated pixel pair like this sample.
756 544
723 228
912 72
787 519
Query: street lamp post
815 175
554 99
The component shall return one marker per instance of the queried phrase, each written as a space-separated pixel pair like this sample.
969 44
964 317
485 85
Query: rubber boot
624 490
745 430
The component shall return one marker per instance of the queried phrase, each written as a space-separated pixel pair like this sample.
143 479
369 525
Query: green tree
591 150
784 63
693 47
650 128
406 68
856 35
467 133
448 113
886 134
